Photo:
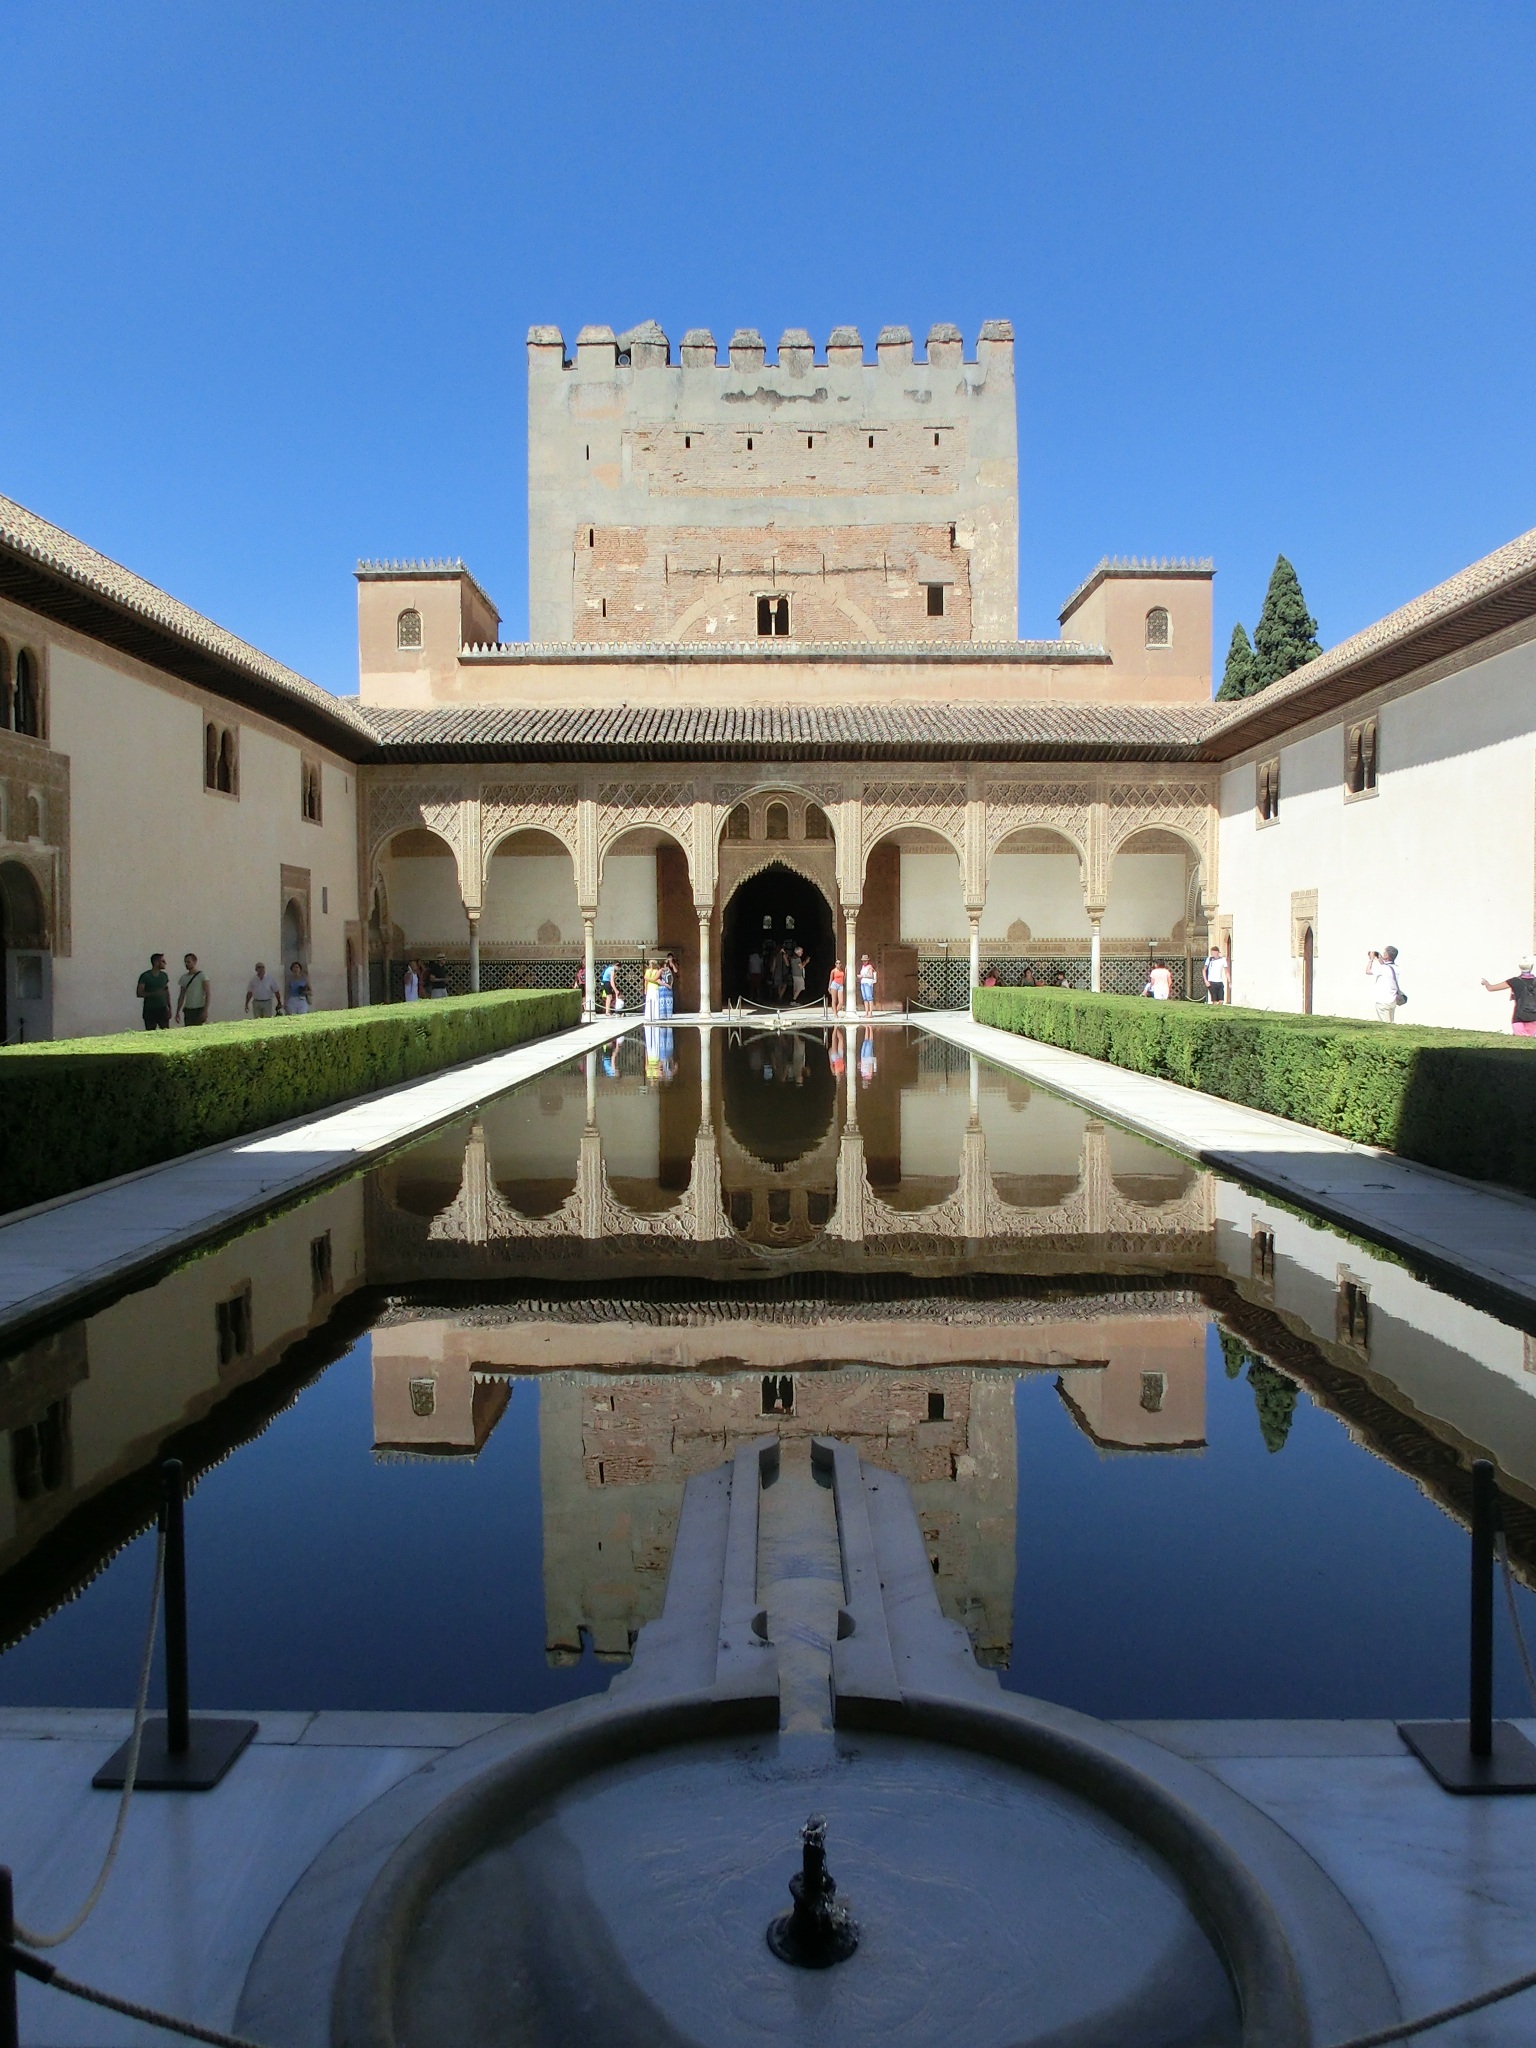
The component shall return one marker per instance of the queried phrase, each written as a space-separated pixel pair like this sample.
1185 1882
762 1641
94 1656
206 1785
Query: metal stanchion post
1478 1754
176 1753
10 2036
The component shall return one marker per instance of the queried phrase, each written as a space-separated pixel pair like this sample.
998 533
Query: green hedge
82 1110
1462 1100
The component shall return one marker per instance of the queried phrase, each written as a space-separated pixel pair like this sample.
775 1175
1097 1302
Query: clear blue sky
268 268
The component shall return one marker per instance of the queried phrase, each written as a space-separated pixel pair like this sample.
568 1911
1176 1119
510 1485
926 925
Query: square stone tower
708 502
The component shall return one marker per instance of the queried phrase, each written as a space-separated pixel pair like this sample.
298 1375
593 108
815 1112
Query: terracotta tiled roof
1496 592
949 732
48 570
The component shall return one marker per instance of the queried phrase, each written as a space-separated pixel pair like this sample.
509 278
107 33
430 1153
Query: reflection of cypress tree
1233 1355
1275 1398
1273 1394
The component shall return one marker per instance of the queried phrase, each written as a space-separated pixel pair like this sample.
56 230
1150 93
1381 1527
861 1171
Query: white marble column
1094 956
975 917
704 963
474 953
589 954
851 963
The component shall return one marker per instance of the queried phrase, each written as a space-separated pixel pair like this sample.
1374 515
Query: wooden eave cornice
98 616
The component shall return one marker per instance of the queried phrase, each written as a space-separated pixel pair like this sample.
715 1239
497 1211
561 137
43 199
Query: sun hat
1526 963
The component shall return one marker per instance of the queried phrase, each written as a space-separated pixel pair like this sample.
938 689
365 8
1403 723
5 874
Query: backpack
1400 998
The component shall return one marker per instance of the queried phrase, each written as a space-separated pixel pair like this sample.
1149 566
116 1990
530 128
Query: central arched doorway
776 906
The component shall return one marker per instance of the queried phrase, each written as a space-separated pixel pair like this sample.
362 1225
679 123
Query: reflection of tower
616 1452
1150 1393
427 1402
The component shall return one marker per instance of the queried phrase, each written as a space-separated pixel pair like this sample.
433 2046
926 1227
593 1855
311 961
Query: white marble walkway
1457 1229
1447 1887
105 1235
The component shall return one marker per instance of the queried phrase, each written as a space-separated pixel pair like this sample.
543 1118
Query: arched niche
1154 876
530 894
421 884
1035 893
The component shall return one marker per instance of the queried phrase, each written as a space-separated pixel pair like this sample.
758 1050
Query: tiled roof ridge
62 552
413 565
784 650
1505 566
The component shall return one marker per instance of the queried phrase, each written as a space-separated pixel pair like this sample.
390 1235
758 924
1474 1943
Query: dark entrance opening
772 908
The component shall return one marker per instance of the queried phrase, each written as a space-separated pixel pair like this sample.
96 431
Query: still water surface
444 1413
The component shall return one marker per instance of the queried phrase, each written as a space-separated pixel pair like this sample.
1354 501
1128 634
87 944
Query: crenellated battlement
601 349
812 492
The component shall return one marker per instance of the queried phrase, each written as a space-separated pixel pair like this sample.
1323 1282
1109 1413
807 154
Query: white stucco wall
525 890
1044 889
626 899
424 900
1440 862
932 898
1146 895
159 864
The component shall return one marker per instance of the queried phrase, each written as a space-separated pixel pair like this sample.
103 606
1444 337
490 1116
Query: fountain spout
818 1932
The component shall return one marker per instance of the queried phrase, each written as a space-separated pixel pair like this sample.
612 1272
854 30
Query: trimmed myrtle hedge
82 1110
1461 1100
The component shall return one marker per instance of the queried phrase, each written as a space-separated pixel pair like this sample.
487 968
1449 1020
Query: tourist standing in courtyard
797 974
193 994
668 989
1522 988
608 982
1386 990
296 998
263 996
412 984
652 1004
1159 983
154 992
837 983
867 981
437 979
1215 971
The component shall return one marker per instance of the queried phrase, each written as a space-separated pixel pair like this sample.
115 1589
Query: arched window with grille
210 755
1159 630
739 823
226 776
408 628
5 684
817 823
26 695
777 821
309 797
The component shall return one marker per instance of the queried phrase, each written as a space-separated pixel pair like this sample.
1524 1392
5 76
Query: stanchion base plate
213 1748
1443 1749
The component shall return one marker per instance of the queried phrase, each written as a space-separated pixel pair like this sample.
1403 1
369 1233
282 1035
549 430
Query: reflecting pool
1175 1449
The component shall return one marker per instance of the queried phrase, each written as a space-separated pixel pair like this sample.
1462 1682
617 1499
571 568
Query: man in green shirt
154 992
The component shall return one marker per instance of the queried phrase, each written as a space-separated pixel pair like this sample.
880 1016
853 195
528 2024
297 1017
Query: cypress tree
1286 635
1240 676
1275 1398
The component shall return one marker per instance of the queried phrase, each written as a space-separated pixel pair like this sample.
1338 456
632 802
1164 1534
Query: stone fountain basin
1019 1877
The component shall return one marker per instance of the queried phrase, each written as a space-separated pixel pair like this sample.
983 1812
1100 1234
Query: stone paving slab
106 1235
1455 1229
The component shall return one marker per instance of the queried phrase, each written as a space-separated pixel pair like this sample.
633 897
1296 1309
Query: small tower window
1153 1387
687 440
749 444
591 536
871 440
776 824
1268 775
935 600
408 628
773 618
935 440
309 798
1159 633
935 1407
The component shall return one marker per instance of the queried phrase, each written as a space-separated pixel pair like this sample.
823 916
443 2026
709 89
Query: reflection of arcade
776 907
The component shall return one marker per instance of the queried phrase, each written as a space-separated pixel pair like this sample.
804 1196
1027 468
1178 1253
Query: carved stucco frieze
938 806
